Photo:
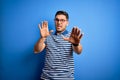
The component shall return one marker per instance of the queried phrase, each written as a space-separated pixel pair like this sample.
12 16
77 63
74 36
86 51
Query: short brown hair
62 13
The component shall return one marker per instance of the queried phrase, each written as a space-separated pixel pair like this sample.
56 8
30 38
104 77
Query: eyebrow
59 19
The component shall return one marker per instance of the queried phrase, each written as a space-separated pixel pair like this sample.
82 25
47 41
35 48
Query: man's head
61 21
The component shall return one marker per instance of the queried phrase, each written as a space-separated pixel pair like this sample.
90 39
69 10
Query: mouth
58 27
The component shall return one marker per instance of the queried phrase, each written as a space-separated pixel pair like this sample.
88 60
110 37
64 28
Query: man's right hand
44 31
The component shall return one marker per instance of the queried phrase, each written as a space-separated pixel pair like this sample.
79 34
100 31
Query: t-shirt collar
64 32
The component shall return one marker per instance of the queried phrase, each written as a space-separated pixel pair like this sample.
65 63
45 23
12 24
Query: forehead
61 16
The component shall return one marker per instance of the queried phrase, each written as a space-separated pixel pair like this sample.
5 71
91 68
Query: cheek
64 27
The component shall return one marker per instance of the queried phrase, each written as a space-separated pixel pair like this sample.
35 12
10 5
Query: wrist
43 38
75 44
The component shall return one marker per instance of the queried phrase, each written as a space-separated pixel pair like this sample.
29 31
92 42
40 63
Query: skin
61 26
61 23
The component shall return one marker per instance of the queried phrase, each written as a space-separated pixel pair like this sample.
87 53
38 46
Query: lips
58 27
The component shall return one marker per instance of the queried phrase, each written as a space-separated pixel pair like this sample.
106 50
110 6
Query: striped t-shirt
59 64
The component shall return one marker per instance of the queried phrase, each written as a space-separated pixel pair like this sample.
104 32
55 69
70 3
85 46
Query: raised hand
44 31
75 36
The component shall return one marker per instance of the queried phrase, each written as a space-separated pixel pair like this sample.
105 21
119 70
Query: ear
67 23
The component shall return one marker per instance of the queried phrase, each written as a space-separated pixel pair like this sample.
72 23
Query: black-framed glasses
61 20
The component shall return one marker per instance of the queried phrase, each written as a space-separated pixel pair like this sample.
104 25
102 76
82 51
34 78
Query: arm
77 49
44 32
40 45
75 40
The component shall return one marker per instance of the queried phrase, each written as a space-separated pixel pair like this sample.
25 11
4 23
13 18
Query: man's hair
62 13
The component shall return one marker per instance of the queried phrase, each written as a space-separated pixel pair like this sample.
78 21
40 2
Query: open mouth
58 27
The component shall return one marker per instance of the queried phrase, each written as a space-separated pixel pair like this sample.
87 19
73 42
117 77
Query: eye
62 20
56 19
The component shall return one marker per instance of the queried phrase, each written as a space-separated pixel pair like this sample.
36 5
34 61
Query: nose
59 22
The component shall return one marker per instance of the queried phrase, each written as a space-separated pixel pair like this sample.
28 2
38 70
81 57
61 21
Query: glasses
61 20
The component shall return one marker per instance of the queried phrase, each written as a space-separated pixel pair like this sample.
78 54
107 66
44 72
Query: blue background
98 19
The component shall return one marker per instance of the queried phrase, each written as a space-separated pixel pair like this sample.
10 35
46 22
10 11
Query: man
59 63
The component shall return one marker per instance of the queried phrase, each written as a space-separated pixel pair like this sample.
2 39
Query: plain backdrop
98 19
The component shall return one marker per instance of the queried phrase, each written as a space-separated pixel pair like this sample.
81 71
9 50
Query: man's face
61 23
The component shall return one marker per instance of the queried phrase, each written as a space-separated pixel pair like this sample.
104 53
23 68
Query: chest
57 43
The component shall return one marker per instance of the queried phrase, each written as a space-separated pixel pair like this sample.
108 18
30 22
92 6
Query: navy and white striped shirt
59 63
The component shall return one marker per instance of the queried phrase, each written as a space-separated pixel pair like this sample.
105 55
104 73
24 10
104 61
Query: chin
58 31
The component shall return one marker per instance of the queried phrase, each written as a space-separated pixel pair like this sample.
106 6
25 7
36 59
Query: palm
44 29
75 36
74 39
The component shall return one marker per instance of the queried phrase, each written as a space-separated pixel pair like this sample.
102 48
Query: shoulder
50 37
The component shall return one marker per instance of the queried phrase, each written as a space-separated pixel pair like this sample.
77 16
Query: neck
59 32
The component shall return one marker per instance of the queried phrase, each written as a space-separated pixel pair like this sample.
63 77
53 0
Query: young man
59 63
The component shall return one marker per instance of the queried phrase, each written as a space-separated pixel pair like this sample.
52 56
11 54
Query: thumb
51 31
39 26
65 38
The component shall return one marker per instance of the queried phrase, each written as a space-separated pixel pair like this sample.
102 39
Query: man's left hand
75 36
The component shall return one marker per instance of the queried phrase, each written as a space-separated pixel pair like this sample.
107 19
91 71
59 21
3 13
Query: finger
45 24
73 30
66 39
39 26
42 24
81 35
75 33
78 31
51 31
